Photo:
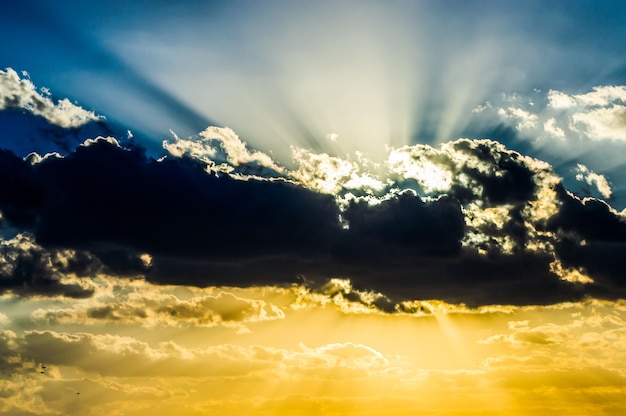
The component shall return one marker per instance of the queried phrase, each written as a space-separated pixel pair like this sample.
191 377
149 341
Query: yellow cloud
329 353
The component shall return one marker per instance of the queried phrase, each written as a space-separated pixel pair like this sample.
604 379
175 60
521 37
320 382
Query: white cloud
335 175
551 128
557 99
21 93
584 174
525 119
108 139
596 115
332 137
223 151
415 162
602 96
601 123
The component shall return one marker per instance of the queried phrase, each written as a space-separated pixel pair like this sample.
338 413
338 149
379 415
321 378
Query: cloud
28 269
567 129
575 347
602 123
596 115
525 120
22 94
149 306
32 122
583 174
112 355
420 225
9 354
223 151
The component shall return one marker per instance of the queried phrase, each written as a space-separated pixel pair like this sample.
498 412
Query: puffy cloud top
16 92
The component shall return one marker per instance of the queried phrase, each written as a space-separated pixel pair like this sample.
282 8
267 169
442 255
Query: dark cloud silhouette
28 269
24 133
104 196
113 203
590 219
513 183
594 238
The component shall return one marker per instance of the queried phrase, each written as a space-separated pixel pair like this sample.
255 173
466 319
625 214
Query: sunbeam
290 207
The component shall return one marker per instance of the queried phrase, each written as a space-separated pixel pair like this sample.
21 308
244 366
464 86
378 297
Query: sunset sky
312 208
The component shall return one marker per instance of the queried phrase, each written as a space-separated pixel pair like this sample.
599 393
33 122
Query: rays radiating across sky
303 208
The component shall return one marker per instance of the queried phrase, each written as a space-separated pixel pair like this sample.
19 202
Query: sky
307 208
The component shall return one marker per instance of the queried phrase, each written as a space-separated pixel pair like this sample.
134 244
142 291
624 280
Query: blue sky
290 73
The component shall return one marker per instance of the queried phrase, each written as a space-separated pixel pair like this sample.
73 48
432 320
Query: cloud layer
513 360
468 221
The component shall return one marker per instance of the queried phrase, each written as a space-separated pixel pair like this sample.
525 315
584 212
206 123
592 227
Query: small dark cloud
590 219
501 176
23 133
28 269
594 238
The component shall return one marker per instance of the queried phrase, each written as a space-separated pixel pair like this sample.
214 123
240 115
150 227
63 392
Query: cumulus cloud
584 174
599 114
16 92
341 294
112 355
28 269
32 122
596 327
9 352
601 123
419 225
152 306
568 128
223 151
524 119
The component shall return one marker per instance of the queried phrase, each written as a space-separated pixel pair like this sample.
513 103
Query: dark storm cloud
104 195
206 228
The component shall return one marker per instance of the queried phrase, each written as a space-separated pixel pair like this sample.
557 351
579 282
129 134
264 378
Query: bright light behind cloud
413 163
365 72
570 128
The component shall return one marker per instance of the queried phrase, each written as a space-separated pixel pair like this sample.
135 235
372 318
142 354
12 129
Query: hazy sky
312 208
